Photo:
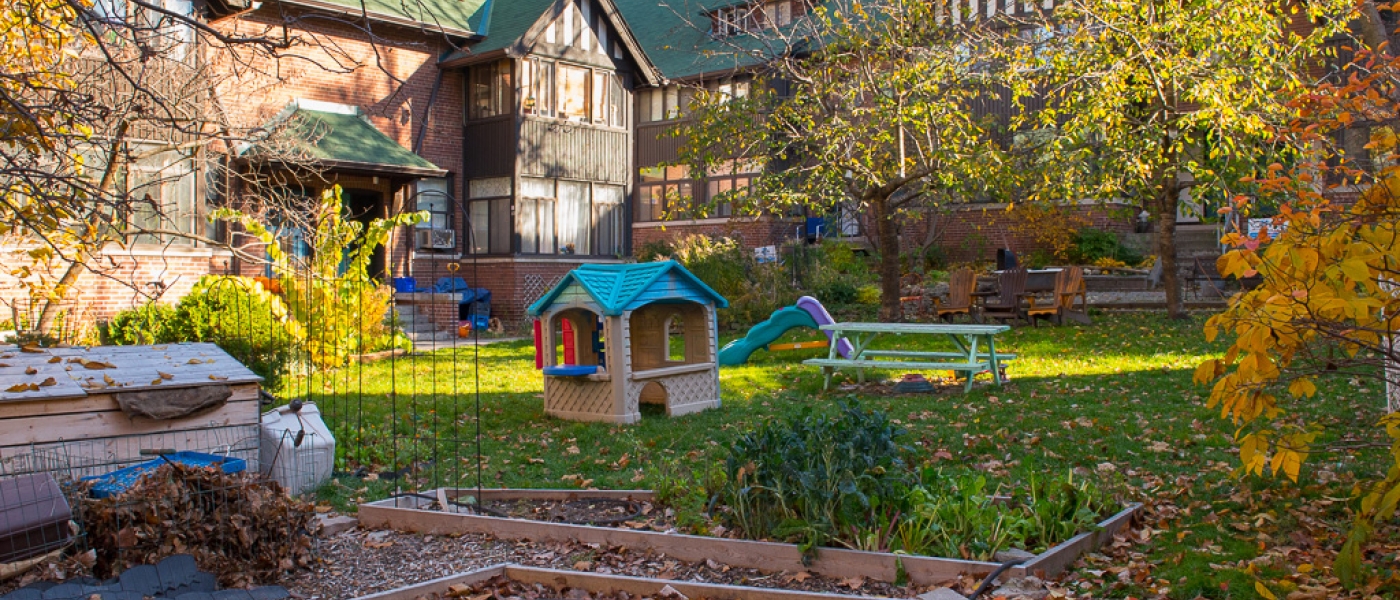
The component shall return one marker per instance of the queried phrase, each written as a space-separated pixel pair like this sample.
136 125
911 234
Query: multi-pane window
663 193
562 216
755 16
488 210
489 90
161 197
432 196
572 92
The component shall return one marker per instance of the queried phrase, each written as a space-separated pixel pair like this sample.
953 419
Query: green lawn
1114 398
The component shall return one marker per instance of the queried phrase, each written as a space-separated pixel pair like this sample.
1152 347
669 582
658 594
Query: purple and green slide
808 312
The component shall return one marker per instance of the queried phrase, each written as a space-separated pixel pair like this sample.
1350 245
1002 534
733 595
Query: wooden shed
95 409
612 337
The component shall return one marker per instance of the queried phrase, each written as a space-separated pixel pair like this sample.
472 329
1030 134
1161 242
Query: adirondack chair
1069 286
1006 305
960 285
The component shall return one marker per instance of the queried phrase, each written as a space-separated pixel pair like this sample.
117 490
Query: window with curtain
536 216
608 219
488 208
575 217
162 191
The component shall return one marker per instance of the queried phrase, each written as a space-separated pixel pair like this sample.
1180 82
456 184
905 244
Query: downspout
428 112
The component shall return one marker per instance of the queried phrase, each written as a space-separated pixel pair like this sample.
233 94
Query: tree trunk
887 243
65 285
1167 201
1373 29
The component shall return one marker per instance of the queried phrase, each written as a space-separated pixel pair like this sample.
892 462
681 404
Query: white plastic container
299 468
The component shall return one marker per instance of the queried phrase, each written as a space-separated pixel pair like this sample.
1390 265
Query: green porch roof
339 136
616 288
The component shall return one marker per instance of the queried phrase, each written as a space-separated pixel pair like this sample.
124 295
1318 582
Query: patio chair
960 287
1069 286
1006 305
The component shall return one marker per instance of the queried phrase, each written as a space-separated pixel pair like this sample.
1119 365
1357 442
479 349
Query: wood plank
895 364
898 353
922 328
646 587
46 429
97 456
439 586
1054 561
669 371
399 514
95 402
519 494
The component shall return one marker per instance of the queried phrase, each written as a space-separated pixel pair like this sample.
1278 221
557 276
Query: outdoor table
966 338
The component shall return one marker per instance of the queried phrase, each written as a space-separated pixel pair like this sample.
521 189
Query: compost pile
244 530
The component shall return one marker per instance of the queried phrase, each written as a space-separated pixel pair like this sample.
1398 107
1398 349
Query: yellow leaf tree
1328 300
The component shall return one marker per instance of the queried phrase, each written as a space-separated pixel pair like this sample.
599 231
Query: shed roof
453 17
616 287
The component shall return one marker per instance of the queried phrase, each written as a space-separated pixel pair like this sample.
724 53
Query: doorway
364 205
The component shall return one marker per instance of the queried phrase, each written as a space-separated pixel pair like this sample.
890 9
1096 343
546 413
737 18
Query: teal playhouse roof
616 288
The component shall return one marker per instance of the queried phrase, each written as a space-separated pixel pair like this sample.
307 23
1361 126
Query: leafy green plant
236 313
1092 245
868 294
813 479
344 310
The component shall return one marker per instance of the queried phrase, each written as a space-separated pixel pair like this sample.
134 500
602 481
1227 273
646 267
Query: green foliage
847 480
654 250
837 292
236 313
1090 245
344 311
868 294
811 478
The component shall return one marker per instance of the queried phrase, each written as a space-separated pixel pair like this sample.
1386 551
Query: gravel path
360 562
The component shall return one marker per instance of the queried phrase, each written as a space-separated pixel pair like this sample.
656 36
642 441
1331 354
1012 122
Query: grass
1114 398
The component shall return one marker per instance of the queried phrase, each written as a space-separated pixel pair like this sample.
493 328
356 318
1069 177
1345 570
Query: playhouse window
675 339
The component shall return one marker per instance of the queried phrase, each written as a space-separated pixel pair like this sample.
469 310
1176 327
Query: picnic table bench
968 360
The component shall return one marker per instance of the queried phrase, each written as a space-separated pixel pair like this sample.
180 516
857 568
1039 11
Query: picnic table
967 360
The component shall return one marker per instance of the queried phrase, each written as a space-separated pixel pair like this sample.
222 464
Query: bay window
573 93
580 94
608 219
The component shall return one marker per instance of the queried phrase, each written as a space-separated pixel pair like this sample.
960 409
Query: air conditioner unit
435 239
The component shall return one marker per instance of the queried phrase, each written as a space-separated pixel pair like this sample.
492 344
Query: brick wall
750 232
515 283
974 233
122 279
391 80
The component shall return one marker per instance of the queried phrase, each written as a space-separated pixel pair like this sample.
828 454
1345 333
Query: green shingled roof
510 19
340 136
614 287
675 36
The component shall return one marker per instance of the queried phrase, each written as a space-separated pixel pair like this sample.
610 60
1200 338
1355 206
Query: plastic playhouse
808 313
609 338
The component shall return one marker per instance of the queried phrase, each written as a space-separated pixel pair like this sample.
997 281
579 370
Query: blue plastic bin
118 481
405 285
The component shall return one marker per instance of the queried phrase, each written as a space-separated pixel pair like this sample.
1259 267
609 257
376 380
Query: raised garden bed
416 514
517 581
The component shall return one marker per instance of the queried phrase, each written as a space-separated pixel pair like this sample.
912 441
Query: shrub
655 250
1091 245
837 292
235 313
868 295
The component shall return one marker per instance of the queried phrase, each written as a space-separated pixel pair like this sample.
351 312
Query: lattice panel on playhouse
701 388
570 396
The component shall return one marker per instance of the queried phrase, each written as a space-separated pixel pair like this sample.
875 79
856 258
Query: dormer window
754 16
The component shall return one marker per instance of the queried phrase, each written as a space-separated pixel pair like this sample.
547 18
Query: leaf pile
242 529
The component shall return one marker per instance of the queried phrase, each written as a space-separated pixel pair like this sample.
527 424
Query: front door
364 205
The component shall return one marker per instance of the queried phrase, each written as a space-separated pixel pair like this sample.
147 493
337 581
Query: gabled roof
461 18
616 287
510 21
339 136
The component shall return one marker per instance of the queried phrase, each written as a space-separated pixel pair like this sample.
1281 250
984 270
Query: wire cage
47 492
